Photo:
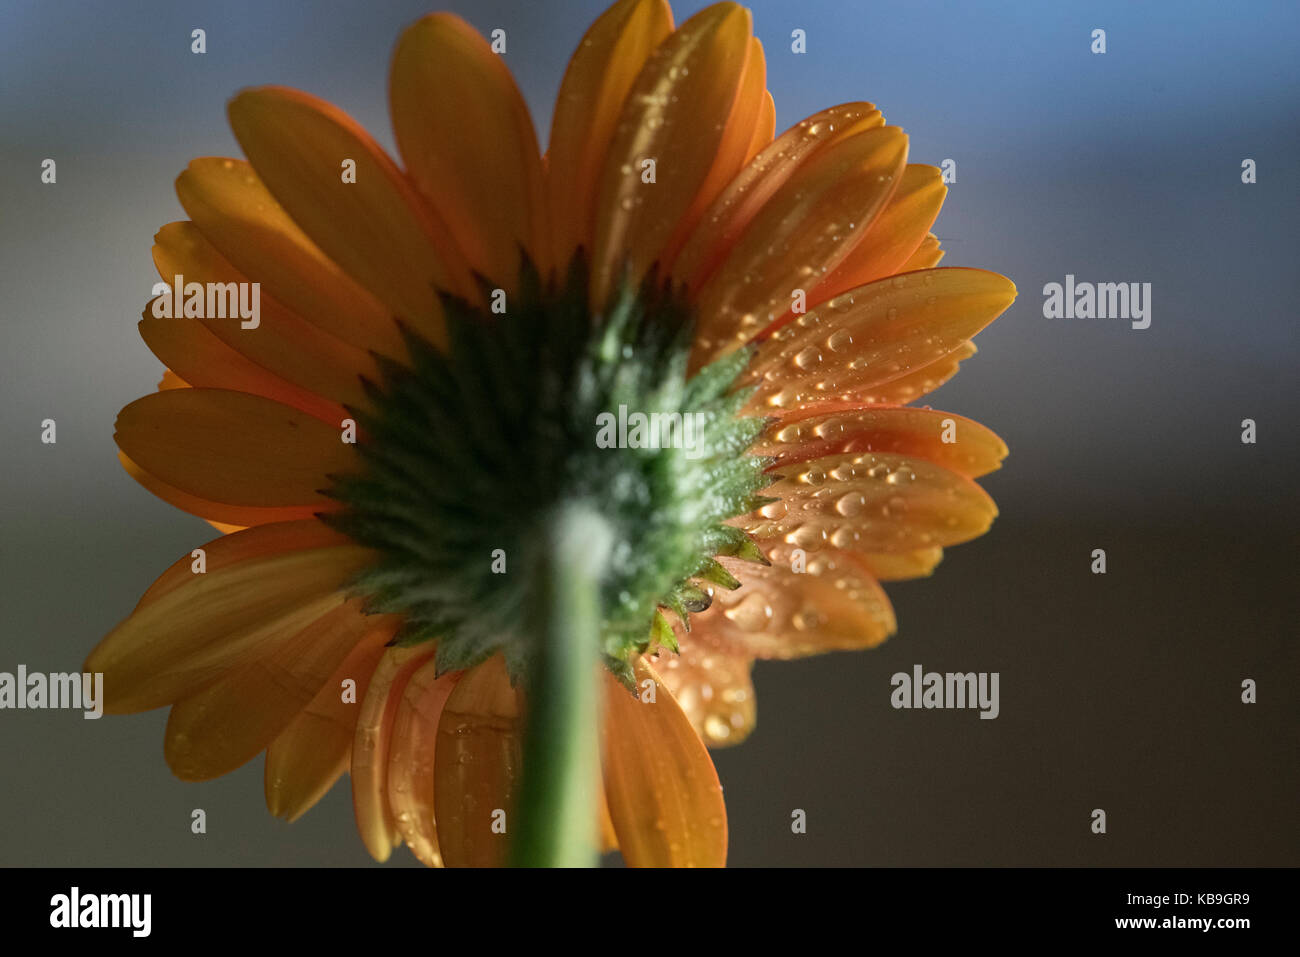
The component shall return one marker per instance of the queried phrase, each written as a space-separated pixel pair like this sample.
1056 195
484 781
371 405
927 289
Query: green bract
468 451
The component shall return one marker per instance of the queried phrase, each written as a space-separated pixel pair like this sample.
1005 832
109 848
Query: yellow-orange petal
801 233
379 228
712 684
237 214
735 207
893 236
732 151
476 766
764 127
606 840
227 723
827 601
278 538
675 114
466 137
370 746
943 438
663 792
899 566
170 380
411 759
218 514
197 358
233 447
595 86
283 343
847 346
191 634
927 255
313 751
872 502
920 381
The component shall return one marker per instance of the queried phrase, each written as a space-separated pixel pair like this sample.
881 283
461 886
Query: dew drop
851 504
808 358
806 536
806 619
752 613
839 341
717 728
844 537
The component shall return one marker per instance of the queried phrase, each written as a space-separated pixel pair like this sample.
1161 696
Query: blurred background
1118 691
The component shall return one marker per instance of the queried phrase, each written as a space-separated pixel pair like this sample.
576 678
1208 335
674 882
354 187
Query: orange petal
663 792
237 214
595 86
732 151
282 343
467 140
206 362
675 114
893 236
736 206
371 743
221 515
920 381
712 684
170 380
943 438
874 334
607 840
872 502
833 604
899 566
476 766
927 255
801 233
411 759
379 229
233 447
192 633
764 127
309 755
214 731
278 538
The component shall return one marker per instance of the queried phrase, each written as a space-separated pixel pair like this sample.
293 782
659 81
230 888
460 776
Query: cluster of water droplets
861 501
713 688
781 612
870 335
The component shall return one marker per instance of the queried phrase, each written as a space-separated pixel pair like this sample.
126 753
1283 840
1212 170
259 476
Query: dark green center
547 403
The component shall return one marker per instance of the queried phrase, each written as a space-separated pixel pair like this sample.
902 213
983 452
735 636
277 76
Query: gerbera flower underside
471 311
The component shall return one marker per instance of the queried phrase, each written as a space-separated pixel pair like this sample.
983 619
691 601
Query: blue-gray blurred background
1119 691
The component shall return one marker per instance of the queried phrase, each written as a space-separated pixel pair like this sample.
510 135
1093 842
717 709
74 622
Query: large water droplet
717 728
752 613
808 358
839 341
851 504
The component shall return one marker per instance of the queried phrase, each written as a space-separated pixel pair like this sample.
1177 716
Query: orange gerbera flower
425 453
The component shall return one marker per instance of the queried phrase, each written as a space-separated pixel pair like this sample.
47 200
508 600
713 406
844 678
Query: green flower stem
556 812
